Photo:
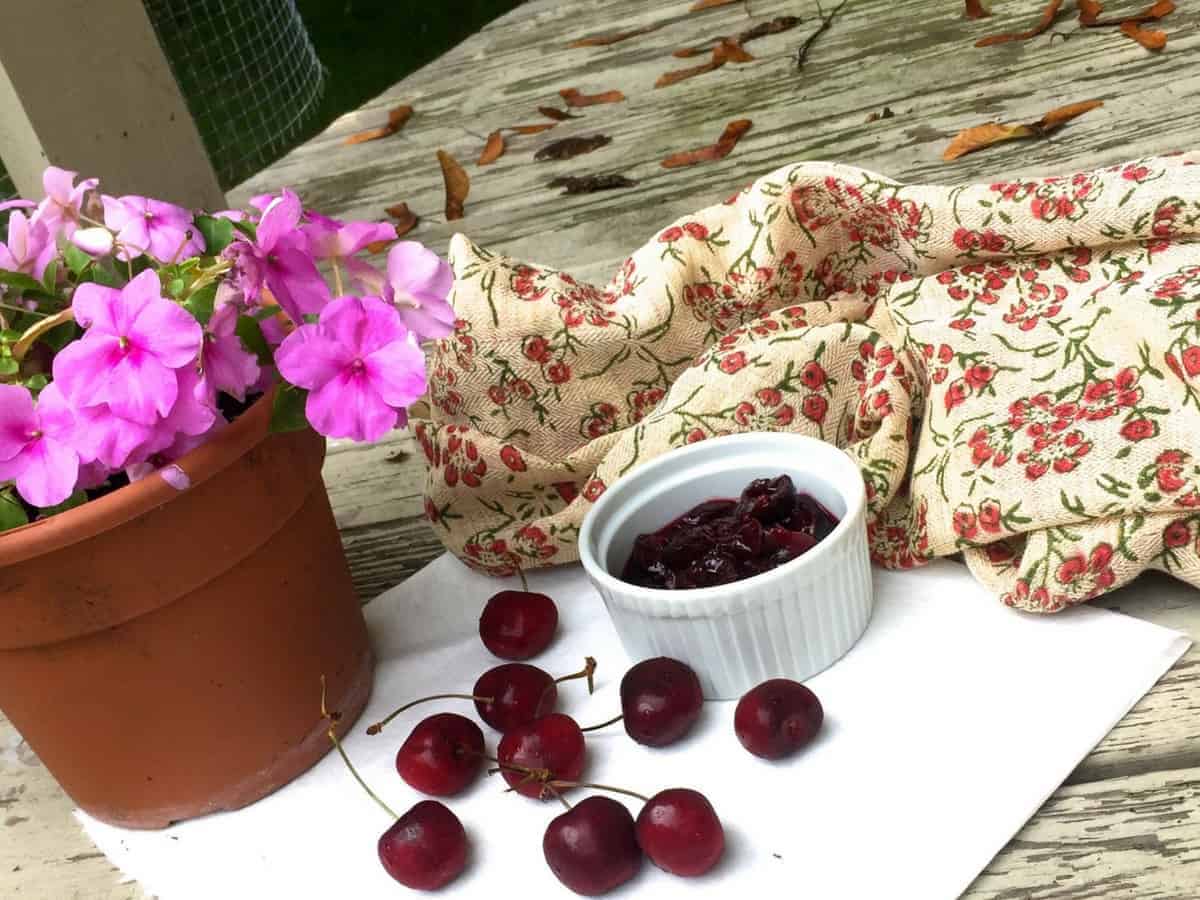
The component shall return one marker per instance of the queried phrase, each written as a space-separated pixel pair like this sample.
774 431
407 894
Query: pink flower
418 283
340 241
361 366
191 418
60 210
144 225
280 259
224 362
135 340
34 444
30 246
104 439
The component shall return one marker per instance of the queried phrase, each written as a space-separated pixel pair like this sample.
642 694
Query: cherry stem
561 799
379 726
524 580
332 718
554 785
588 671
613 721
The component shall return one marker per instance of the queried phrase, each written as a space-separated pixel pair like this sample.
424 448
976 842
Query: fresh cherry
518 624
680 832
777 718
592 848
551 748
442 755
661 699
426 848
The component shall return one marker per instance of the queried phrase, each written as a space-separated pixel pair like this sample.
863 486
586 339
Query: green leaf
200 304
50 277
12 513
76 499
175 287
77 260
106 277
1124 452
287 413
36 382
8 366
59 336
217 233
253 340
249 229
21 282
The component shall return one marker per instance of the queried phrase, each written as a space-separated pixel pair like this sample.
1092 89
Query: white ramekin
790 622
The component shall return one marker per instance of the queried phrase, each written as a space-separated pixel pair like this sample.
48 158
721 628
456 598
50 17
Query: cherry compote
726 540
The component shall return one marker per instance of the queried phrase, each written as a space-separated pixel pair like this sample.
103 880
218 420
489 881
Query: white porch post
85 85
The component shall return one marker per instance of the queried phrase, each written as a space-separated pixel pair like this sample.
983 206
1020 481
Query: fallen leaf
1089 11
986 135
976 10
588 184
558 115
532 129
1147 37
458 185
492 150
730 50
575 99
572 146
722 148
762 29
689 52
406 219
1043 23
605 40
711 4
666 79
1089 14
396 120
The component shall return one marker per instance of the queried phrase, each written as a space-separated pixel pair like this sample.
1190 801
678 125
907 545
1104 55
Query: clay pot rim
139 497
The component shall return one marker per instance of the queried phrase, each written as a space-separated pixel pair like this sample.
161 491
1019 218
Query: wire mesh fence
249 73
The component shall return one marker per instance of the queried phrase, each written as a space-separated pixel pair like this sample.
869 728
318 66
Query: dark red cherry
518 624
680 832
777 718
442 755
426 848
593 847
553 744
660 700
518 692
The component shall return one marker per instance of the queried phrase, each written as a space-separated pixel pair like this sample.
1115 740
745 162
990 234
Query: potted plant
172 585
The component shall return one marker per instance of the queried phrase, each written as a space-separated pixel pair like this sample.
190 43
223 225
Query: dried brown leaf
762 29
605 40
575 99
689 52
458 185
1147 37
572 146
532 129
1089 11
666 79
711 4
406 219
589 184
1046 20
722 148
492 150
730 50
558 115
396 120
980 136
976 10
1091 18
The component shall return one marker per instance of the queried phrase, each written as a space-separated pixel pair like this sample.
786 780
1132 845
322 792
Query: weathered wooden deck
1127 824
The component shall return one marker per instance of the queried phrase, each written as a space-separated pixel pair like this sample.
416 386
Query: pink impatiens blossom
105 440
96 241
34 444
279 258
361 366
340 241
224 363
135 340
144 225
30 247
17 204
418 283
63 205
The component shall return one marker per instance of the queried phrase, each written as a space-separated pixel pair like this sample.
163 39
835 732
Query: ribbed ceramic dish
790 622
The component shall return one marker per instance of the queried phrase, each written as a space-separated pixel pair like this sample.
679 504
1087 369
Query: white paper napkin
946 727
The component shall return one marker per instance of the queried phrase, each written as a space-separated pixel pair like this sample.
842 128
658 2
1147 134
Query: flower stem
337 276
331 718
614 720
378 726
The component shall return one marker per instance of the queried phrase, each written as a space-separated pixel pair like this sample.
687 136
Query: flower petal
55 416
433 321
17 204
309 358
347 406
17 419
50 473
58 183
140 388
397 372
95 241
362 324
293 278
365 277
117 212
414 269
82 368
280 217
167 332
108 439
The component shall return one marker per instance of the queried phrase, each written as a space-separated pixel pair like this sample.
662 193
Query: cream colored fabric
1014 366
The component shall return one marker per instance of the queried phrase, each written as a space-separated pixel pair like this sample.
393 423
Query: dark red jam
721 541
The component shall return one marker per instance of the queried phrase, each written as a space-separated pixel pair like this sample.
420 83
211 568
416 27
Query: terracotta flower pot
161 649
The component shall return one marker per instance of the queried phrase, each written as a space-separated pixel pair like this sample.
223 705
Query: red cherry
680 832
442 755
593 847
518 624
518 692
777 718
553 744
426 848
661 699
